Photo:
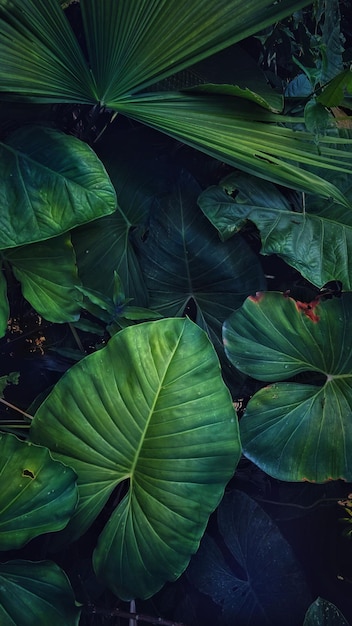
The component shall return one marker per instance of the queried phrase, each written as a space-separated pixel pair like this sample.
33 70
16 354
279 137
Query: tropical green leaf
50 183
36 593
296 430
324 613
245 136
245 591
9 379
38 494
151 409
240 92
4 303
129 48
186 265
317 118
335 91
48 276
316 241
40 57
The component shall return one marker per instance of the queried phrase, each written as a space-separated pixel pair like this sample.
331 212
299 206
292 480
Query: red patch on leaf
308 309
258 297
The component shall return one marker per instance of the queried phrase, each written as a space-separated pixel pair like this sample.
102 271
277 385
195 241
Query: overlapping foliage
143 431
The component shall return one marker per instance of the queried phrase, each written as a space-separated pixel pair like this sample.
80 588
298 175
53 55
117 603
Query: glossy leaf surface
293 430
150 408
185 263
48 276
316 240
36 593
38 494
249 593
50 183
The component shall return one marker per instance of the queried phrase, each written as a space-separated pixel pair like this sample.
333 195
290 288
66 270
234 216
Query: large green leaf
129 46
185 264
294 430
151 408
316 241
50 183
245 136
48 276
4 303
239 580
36 593
38 494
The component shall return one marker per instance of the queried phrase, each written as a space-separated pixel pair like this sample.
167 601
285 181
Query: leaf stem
159 621
15 408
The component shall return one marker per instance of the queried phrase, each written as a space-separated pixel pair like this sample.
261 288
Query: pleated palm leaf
134 44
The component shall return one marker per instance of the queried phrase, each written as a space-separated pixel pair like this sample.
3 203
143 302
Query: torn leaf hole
28 473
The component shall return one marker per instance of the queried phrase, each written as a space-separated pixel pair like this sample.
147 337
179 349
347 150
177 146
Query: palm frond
135 43
40 58
246 136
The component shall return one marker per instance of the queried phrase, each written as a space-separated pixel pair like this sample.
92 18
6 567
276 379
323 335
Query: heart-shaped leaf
317 241
292 430
36 593
50 183
265 582
151 408
48 275
38 494
185 263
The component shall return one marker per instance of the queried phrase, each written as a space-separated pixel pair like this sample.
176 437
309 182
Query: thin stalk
15 408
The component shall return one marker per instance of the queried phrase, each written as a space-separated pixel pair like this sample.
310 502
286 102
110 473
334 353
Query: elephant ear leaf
274 338
236 576
150 409
36 593
51 182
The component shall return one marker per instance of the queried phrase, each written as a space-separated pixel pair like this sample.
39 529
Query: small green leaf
48 276
36 593
324 613
38 494
10 379
317 118
334 93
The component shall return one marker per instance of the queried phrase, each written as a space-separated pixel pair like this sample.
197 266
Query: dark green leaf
185 263
334 93
36 593
50 183
10 379
248 592
316 241
38 494
296 431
